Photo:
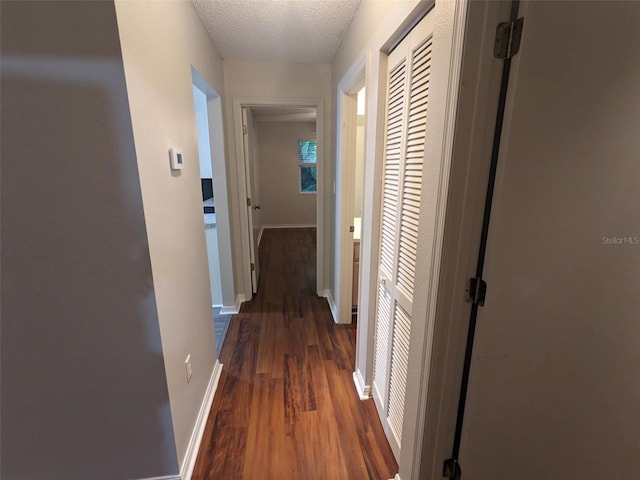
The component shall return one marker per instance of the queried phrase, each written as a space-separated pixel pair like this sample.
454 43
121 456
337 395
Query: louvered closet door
407 100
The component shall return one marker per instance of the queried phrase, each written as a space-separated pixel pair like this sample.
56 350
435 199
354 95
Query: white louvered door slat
391 179
407 103
398 373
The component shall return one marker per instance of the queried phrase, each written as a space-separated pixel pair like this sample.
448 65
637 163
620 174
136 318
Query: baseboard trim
232 309
191 455
291 225
228 309
332 304
364 391
240 299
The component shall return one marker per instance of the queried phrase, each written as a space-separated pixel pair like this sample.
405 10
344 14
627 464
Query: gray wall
279 182
166 50
84 393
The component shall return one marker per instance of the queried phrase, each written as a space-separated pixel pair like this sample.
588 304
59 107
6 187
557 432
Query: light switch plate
187 364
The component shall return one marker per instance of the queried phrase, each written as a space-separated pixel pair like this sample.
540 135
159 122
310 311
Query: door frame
348 87
217 145
469 133
248 102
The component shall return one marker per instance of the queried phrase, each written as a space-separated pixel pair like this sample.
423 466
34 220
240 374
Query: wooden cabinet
356 274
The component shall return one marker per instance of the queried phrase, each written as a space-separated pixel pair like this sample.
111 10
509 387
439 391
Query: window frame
302 165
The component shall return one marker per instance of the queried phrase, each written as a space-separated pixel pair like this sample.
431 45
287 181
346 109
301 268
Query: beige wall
261 80
84 394
280 198
159 81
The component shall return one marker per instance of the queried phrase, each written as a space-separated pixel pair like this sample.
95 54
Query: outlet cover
187 364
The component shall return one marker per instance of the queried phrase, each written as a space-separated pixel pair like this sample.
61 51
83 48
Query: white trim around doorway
318 104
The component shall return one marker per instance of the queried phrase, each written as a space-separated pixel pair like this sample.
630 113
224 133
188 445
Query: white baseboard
397 477
191 455
291 225
228 309
364 391
232 309
332 304
260 235
240 299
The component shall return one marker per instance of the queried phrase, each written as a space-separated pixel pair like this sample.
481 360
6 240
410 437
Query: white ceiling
290 31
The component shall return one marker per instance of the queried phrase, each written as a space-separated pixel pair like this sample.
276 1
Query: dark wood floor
286 406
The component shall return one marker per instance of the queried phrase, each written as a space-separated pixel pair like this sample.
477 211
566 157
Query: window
307 163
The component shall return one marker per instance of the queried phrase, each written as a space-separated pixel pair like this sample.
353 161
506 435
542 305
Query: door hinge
451 469
476 291
508 37
248 202
244 129
352 229
253 267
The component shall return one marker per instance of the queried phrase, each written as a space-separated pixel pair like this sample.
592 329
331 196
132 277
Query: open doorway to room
349 197
208 112
357 201
351 185
280 157
279 176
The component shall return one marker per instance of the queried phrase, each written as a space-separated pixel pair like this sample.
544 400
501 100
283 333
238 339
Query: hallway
286 406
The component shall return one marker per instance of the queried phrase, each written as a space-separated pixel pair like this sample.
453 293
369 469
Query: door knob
257 207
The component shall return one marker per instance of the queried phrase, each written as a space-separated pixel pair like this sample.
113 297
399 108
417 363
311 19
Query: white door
247 140
554 389
407 96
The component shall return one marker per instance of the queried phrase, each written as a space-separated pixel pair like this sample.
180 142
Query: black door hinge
508 37
476 291
451 469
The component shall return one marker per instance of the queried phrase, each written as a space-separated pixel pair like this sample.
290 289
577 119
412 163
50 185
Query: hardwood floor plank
286 406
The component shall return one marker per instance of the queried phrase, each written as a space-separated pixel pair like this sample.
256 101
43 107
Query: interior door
554 389
247 138
409 68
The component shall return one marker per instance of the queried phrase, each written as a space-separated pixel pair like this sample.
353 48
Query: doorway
208 113
280 158
350 181
250 116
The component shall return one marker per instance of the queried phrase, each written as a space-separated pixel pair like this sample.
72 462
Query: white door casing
408 90
240 199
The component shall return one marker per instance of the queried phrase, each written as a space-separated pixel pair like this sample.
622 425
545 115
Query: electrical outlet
187 364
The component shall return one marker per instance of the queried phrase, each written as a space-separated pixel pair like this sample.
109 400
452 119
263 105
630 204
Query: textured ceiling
291 31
